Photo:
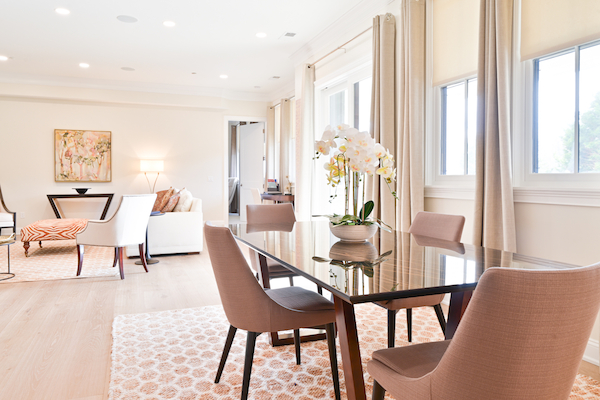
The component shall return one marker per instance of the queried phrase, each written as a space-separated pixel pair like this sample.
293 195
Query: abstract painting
82 156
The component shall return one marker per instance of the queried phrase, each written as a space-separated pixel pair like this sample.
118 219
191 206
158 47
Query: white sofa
174 232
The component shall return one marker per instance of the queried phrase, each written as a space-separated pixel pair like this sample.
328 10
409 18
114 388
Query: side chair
8 219
126 227
439 226
254 309
522 337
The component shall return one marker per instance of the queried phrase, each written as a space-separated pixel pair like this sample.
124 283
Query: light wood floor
55 336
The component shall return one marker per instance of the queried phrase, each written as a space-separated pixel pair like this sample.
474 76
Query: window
566 112
459 119
347 102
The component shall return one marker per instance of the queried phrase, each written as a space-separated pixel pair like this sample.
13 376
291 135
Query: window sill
566 197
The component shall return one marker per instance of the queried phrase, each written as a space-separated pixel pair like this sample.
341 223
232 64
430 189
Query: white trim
343 29
345 73
592 352
563 197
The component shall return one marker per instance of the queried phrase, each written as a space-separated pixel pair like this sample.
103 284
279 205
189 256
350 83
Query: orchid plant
356 156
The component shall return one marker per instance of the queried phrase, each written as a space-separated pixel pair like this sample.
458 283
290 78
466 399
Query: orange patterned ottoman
51 229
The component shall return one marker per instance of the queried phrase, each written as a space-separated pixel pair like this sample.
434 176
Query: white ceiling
211 37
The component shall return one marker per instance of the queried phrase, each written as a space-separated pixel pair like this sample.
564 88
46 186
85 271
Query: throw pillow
161 199
185 201
171 203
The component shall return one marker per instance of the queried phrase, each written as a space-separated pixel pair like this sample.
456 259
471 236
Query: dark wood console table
278 198
56 207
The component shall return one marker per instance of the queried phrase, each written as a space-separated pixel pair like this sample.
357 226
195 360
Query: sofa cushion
171 203
161 199
185 201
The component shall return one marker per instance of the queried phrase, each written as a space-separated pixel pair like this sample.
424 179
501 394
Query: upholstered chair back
127 226
270 213
523 336
440 226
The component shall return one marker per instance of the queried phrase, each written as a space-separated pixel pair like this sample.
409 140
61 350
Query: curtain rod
340 47
278 104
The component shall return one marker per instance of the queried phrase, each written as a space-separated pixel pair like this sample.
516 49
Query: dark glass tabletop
390 265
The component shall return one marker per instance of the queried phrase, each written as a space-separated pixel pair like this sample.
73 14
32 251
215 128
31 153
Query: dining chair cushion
435 225
6 217
297 298
412 361
412 302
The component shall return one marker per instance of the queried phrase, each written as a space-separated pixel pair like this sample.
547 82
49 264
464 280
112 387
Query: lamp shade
152 165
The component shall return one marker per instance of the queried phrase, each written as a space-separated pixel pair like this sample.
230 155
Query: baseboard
592 352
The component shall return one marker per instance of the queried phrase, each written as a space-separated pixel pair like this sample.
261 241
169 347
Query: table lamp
157 166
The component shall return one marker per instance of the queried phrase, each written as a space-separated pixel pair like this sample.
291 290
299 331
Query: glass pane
454 152
556 110
362 105
589 109
471 125
337 108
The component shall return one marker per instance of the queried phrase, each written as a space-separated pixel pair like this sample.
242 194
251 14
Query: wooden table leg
458 305
351 362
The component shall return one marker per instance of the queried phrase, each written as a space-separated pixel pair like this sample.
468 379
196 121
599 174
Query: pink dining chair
434 225
254 309
522 336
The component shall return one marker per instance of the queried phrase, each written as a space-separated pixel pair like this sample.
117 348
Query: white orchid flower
343 127
328 134
379 150
322 147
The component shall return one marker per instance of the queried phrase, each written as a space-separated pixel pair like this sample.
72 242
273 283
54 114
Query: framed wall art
82 156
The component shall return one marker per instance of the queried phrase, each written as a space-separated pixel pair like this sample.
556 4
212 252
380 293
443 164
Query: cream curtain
305 144
411 115
494 222
383 109
270 146
285 136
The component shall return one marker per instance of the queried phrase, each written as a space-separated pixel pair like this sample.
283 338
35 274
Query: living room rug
56 260
175 355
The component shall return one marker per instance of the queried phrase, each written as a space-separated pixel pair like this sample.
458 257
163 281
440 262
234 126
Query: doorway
246 165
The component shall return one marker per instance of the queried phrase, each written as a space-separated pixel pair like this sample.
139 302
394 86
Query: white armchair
126 227
8 219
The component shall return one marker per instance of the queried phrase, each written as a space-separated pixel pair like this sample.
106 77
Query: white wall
187 132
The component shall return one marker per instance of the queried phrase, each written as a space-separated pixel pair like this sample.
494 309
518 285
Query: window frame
525 111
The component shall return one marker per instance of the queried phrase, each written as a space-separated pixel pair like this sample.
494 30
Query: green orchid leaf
367 210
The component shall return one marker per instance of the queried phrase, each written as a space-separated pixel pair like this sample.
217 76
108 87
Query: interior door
252 152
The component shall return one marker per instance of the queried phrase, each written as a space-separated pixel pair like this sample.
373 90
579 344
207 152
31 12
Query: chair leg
250 344
392 328
291 278
409 323
80 251
26 247
440 316
378 391
297 345
121 270
330 333
143 258
228 342
320 290
116 257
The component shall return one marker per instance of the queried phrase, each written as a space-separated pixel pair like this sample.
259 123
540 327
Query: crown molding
134 87
343 29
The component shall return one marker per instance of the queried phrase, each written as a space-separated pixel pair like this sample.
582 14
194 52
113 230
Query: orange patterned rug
175 355
57 259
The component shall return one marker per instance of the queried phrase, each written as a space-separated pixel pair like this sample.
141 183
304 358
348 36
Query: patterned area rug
56 260
175 355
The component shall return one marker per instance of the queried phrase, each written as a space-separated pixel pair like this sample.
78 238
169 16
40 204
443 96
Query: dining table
390 265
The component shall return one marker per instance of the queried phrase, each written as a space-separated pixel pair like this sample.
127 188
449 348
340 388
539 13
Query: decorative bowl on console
81 190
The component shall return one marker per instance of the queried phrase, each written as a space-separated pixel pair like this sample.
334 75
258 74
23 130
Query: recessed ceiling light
127 69
193 73
84 65
127 19
223 76
261 35
3 58
169 24
62 11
